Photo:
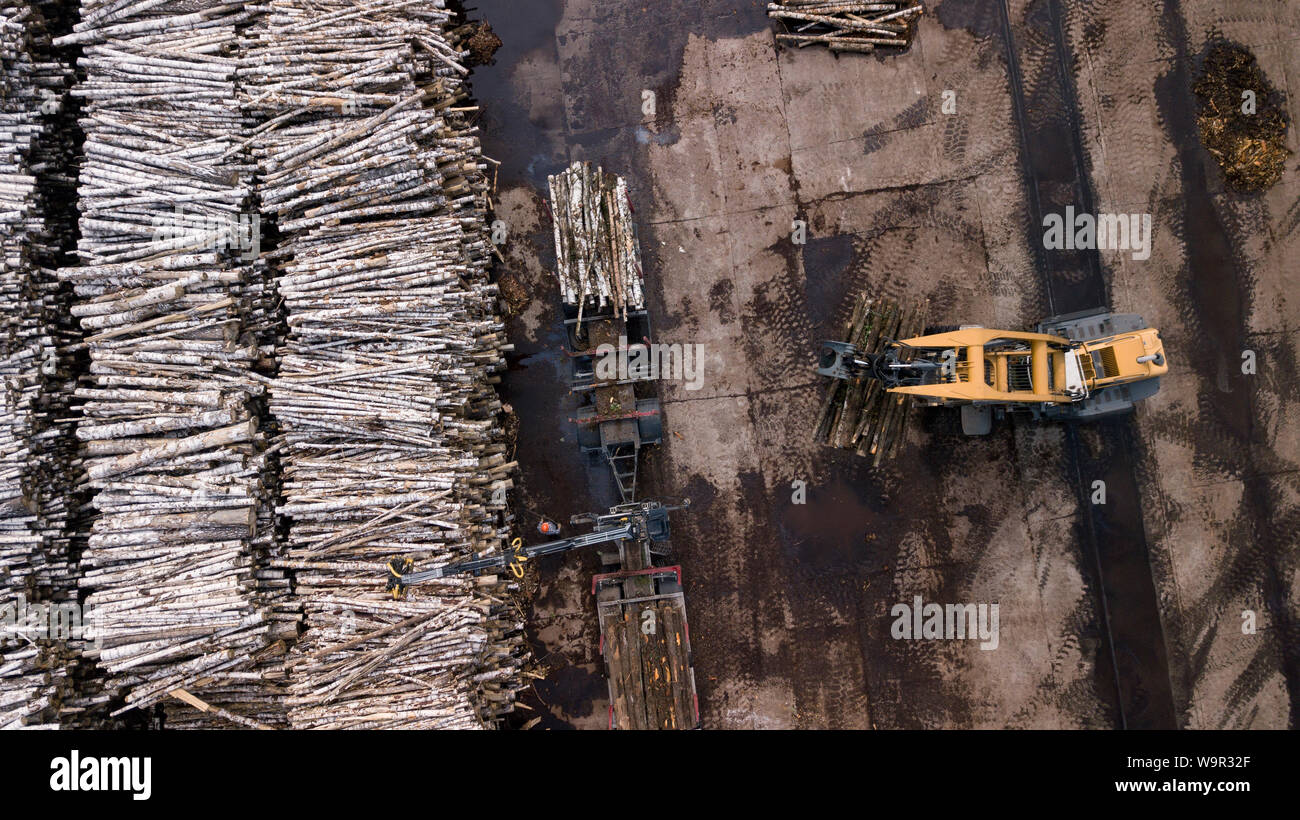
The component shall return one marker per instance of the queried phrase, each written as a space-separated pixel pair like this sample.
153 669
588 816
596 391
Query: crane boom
632 522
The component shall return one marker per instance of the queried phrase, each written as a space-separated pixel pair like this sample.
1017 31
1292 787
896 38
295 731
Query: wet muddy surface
1230 422
1046 103
790 602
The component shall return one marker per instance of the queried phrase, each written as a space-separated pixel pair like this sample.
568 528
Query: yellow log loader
1078 366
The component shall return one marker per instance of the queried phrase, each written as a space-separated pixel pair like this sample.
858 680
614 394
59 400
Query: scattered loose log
842 26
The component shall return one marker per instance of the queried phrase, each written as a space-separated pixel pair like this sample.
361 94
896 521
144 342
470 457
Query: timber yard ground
1123 614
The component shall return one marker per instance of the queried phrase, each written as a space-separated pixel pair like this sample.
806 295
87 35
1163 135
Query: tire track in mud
790 624
1046 111
865 541
1230 417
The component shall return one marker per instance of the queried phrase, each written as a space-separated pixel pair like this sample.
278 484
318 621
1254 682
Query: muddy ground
1123 614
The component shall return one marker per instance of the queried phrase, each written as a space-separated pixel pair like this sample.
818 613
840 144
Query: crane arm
401 576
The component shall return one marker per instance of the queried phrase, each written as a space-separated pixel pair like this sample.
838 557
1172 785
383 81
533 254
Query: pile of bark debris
1242 119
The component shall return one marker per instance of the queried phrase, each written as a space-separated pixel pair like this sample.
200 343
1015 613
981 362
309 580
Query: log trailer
1078 366
644 636
618 413
598 269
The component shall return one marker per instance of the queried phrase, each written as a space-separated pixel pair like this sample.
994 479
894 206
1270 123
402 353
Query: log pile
597 255
846 26
390 440
172 309
37 455
860 415
256 433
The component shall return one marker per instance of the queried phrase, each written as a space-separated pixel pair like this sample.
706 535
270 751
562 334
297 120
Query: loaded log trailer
598 269
1079 366
644 636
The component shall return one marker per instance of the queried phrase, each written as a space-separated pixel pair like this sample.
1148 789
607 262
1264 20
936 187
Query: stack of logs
391 443
175 569
859 414
598 258
258 431
845 26
37 455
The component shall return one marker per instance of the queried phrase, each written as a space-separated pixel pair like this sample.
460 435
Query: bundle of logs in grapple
843 26
39 621
391 441
598 258
175 318
860 414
